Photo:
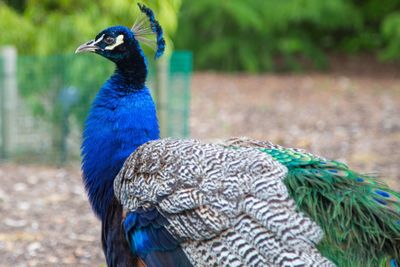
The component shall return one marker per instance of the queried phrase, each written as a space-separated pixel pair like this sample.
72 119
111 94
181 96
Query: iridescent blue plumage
122 118
149 239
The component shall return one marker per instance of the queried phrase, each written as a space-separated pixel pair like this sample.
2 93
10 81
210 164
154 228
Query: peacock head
119 43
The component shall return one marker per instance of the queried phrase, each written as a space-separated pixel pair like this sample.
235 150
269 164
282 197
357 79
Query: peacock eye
109 40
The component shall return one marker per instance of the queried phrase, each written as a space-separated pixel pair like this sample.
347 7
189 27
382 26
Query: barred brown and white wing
229 206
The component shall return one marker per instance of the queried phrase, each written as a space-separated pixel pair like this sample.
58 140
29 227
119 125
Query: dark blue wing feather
149 239
176 258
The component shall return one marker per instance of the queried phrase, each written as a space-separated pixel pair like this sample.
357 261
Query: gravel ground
45 217
354 119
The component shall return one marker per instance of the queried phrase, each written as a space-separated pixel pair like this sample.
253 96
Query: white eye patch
98 40
118 41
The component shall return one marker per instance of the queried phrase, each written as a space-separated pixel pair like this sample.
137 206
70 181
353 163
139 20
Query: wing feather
205 190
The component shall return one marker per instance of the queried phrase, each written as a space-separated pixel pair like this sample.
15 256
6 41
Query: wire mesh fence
44 101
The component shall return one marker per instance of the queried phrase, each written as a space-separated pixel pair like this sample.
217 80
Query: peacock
240 202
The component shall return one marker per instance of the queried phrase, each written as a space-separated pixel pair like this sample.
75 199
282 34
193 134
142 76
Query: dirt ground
46 219
354 119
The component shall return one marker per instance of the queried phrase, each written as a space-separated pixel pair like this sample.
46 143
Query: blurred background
318 75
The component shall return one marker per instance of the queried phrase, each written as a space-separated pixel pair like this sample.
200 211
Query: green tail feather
359 215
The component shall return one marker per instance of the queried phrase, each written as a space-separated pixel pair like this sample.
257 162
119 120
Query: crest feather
142 30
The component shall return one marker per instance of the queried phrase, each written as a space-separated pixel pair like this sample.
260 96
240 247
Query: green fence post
179 82
9 100
162 94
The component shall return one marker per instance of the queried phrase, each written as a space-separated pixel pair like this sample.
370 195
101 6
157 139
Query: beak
87 47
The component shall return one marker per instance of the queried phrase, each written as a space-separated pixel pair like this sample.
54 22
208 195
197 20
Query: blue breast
121 119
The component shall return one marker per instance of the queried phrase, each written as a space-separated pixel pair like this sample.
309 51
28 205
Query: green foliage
48 27
259 35
391 34
15 29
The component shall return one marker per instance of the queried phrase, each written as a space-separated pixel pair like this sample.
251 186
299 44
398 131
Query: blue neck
122 118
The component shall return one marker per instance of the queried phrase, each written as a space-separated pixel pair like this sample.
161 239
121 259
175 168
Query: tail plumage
359 215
